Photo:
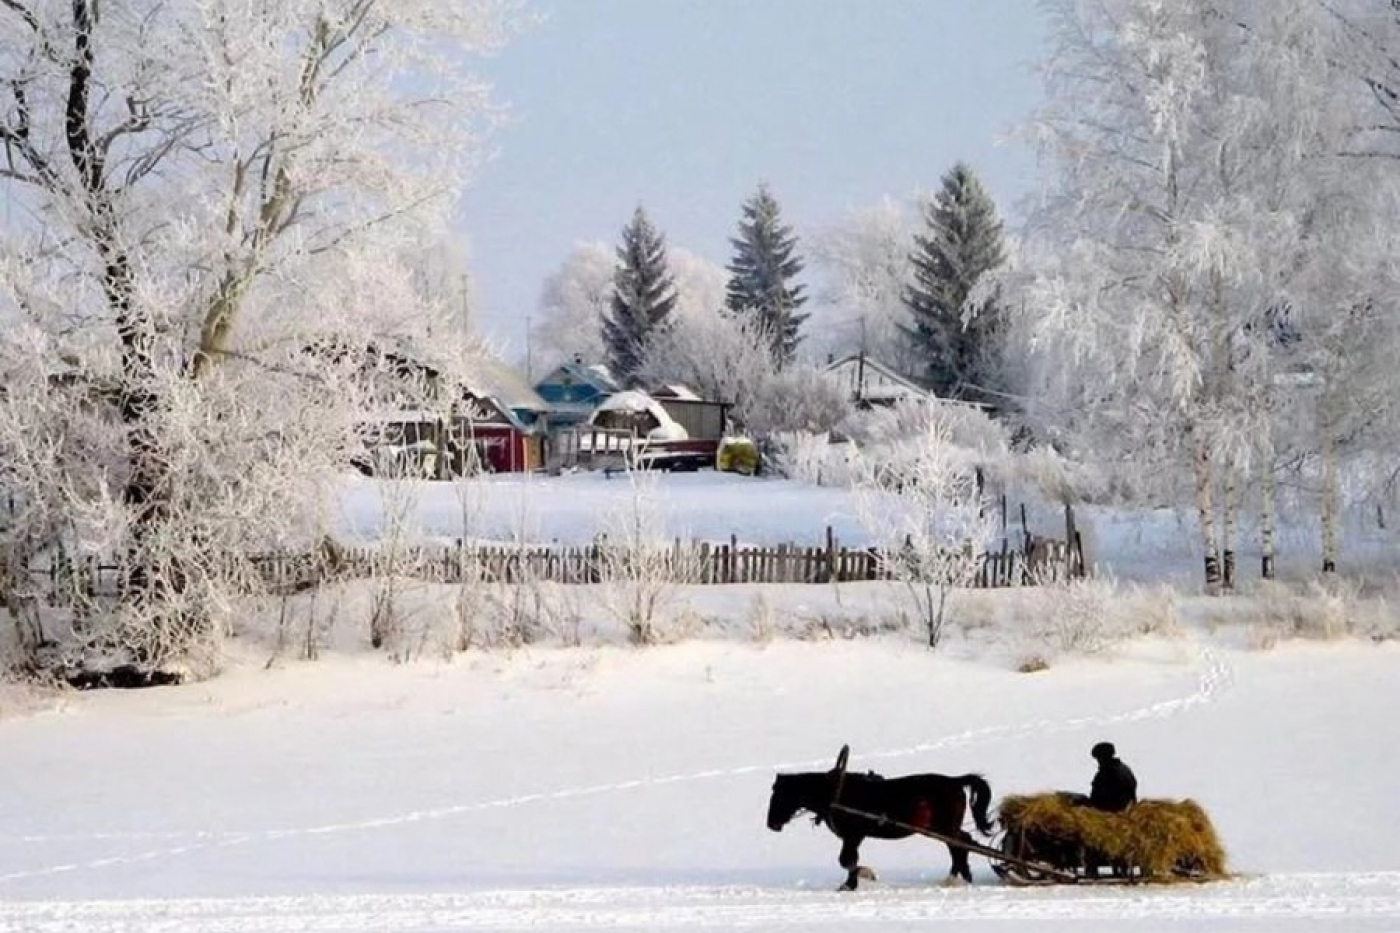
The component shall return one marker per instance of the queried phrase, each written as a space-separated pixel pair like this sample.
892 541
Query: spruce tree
762 272
963 240
643 295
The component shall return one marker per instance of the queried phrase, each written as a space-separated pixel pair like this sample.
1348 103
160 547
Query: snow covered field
602 787
615 789
572 508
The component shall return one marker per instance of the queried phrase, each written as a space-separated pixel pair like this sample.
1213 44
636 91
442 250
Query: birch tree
208 202
1188 140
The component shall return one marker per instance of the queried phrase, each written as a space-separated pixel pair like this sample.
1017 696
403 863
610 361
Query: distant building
493 379
701 418
869 383
492 421
573 390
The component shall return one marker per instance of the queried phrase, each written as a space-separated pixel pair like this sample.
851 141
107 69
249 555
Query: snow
617 789
572 509
605 787
680 392
1154 545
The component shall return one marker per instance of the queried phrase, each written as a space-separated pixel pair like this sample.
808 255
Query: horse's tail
981 799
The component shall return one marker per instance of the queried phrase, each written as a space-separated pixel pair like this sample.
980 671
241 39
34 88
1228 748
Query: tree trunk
1266 520
1329 490
1205 513
146 490
1229 507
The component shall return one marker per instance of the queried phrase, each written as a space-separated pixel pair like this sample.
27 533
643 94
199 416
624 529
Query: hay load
1153 840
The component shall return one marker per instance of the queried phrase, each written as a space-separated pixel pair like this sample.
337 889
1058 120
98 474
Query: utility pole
860 365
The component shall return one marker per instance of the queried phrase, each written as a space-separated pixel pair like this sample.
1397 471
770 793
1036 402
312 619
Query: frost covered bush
798 398
926 514
1076 617
1058 478
808 457
1322 610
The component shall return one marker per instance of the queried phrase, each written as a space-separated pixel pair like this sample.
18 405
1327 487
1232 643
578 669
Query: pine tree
762 271
963 241
643 295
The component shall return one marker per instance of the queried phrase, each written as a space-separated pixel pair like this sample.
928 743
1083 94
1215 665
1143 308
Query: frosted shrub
1152 610
1075 617
1324 611
813 458
926 514
761 620
640 571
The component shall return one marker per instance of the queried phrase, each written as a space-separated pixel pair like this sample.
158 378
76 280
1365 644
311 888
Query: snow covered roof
678 392
895 385
634 401
576 371
493 378
873 381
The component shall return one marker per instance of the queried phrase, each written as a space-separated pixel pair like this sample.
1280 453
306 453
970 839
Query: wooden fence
1043 561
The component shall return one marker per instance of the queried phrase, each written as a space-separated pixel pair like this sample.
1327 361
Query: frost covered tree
1197 190
202 278
573 303
921 500
728 356
762 273
700 286
863 261
1370 53
696 345
643 295
962 241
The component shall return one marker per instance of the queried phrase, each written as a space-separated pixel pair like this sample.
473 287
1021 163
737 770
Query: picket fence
1040 561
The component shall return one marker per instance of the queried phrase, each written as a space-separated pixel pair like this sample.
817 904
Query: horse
933 802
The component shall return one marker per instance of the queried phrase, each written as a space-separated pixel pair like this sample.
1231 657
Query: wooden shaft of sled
977 847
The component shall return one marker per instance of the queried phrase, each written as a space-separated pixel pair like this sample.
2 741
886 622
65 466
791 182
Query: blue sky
686 105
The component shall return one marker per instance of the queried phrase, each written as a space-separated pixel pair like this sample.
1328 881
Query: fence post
830 555
1069 539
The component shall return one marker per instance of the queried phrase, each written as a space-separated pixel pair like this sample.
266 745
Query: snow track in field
1351 902
1216 676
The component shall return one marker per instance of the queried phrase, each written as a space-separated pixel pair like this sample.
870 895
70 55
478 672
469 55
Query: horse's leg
850 860
960 868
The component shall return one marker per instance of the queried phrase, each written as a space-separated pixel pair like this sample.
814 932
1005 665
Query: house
633 427
573 390
870 383
492 421
702 419
493 379
491 436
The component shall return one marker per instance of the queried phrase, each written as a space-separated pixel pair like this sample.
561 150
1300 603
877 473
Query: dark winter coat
1114 788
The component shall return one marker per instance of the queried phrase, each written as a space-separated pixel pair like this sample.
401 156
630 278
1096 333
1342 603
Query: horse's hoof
954 881
847 887
867 873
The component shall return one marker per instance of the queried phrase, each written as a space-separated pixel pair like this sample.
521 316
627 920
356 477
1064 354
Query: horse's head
794 792
784 802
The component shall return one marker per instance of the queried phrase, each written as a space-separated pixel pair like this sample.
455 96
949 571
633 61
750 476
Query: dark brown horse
928 801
